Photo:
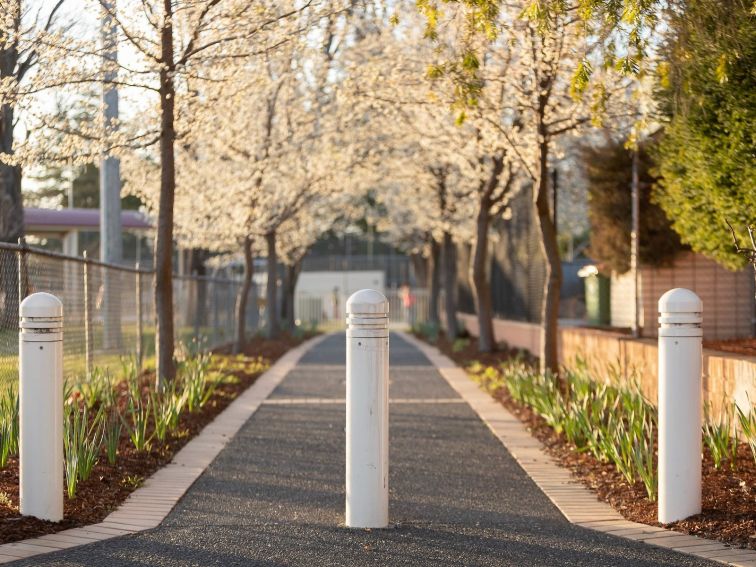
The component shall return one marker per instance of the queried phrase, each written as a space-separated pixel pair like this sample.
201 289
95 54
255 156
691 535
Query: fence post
23 271
194 284
41 406
87 318
367 410
680 398
139 328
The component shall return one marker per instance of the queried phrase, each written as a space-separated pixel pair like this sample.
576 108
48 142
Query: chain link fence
109 310
327 310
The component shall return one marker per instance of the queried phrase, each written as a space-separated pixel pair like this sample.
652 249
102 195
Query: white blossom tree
526 79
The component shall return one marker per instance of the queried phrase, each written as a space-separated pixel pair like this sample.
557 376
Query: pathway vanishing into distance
275 494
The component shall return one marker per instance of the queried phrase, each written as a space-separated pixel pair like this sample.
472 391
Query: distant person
408 303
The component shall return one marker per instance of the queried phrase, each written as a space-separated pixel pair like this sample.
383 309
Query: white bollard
367 410
41 406
680 398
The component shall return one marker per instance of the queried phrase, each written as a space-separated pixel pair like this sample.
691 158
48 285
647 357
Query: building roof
47 220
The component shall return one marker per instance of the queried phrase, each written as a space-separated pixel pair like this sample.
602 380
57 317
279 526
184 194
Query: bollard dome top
367 301
680 300
41 305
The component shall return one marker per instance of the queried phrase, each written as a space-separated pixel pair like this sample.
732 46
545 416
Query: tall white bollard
680 398
41 406
367 410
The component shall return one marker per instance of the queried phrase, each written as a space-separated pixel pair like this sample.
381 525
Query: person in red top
408 303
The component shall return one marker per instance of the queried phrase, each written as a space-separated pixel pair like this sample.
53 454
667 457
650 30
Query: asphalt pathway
275 494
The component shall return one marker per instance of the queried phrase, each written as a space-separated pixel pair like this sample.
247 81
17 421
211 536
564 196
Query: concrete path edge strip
147 507
576 502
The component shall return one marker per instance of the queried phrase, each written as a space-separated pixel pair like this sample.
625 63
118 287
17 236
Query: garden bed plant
118 430
605 432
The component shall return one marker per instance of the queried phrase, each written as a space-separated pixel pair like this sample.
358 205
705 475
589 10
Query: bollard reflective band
41 318
367 315
680 314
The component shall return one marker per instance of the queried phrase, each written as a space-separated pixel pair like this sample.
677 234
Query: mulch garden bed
728 499
109 485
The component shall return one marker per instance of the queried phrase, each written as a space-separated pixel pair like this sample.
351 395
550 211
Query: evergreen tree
608 169
706 158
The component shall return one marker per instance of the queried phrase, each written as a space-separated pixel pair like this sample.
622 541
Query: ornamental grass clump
112 435
94 390
82 442
613 424
748 426
721 437
137 421
198 386
9 424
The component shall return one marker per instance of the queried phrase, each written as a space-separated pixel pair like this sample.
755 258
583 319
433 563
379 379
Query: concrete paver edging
576 502
146 507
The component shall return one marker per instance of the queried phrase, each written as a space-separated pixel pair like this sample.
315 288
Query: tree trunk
291 275
164 335
450 286
242 298
481 286
434 269
549 247
420 266
11 200
271 291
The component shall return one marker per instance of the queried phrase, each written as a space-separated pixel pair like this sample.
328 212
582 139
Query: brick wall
728 297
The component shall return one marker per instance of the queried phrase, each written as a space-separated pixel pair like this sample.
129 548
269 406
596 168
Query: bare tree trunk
481 286
243 297
164 335
550 248
450 286
11 200
291 275
271 291
420 266
434 268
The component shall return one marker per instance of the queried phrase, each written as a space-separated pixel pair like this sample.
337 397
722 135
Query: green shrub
427 330
460 344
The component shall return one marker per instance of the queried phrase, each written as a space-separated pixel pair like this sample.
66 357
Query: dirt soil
729 496
109 485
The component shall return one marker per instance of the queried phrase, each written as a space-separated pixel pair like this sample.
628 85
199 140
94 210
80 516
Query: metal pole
140 328
367 417
194 293
41 407
111 238
680 401
216 322
111 245
87 318
634 233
